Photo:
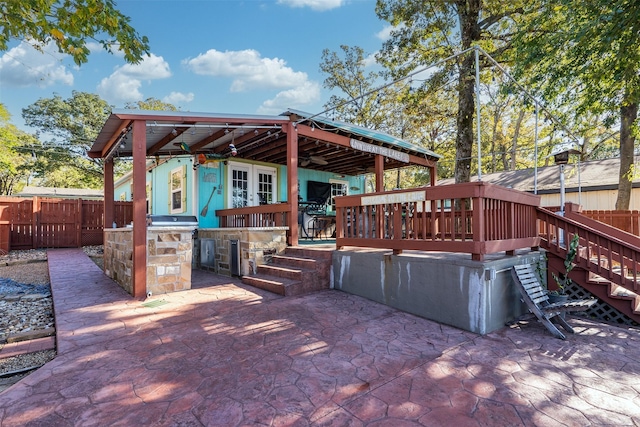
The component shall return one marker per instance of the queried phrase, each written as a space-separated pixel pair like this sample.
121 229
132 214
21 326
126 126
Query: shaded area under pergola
292 139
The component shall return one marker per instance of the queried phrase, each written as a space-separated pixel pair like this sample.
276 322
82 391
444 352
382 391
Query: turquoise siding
159 179
211 183
305 175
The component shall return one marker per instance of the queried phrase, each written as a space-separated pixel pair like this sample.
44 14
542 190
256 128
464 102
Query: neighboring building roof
588 176
61 193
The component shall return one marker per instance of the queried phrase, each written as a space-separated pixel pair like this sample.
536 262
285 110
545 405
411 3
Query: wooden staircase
298 271
608 261
622 299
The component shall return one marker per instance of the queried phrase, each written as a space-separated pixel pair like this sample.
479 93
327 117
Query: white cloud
385 33
95 47
177 98
370 60
319 5
123 85
248 69
296 97
24 66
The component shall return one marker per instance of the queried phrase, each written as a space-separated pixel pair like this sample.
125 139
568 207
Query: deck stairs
607 267
623 301
298 271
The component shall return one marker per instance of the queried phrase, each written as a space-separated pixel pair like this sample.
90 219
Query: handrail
478 218
273 215
602 250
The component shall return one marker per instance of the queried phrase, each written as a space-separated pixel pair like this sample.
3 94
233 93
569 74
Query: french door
251 185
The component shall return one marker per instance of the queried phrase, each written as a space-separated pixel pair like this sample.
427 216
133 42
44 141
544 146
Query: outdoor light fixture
117 144
174 132
560 155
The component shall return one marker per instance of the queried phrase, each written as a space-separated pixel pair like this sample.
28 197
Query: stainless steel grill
172 221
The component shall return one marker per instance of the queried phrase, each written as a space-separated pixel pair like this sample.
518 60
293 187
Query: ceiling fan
318 160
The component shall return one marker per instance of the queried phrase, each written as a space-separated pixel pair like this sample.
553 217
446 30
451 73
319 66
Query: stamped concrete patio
224 354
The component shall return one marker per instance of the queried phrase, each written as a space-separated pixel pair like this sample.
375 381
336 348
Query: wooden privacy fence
476 218
55 223
628 221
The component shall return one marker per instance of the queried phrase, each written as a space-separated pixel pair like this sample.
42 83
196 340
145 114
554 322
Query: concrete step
278 285
279 271
295 262
320 253
268 283
299 271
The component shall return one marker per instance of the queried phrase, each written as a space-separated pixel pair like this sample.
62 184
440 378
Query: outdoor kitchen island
169 254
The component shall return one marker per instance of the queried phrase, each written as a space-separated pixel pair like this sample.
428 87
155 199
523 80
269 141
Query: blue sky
219 56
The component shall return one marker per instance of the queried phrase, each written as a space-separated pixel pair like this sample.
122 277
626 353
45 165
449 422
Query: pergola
287 139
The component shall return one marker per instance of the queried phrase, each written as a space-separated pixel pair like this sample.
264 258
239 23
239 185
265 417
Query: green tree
397 108
585 56
357 102
427 32
151 104
17 155
71 126
70 24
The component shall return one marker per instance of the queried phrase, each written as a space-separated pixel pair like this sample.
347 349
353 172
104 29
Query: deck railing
476 218
274 215
608 252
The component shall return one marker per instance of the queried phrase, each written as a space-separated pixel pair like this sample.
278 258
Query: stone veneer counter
169 257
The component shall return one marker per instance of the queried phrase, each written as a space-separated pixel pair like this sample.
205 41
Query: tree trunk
628 114
516 135
494 138
468 15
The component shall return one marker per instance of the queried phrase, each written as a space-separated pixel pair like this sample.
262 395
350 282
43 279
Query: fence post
35 222
79 223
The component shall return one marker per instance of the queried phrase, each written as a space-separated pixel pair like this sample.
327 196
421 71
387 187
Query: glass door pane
239 188
265 188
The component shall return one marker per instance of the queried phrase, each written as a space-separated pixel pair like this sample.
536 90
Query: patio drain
154 304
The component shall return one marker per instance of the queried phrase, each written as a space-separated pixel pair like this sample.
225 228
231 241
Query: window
338 188
177 194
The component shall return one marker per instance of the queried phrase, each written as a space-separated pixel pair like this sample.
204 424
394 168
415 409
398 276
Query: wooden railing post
478 225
